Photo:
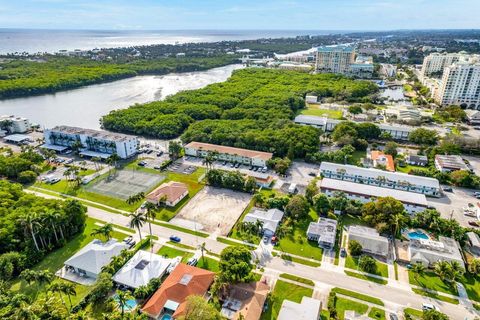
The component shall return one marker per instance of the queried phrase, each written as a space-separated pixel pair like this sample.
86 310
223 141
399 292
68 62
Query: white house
323 231
413 202
94 143
372 242
308 309
271 219
89 261
17 124
244 156
141 268
311 99
428 252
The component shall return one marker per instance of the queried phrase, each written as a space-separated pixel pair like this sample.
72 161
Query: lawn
416 314
234 243
352 263
297 279
357 295
54 261
208 264
364 277
358 155
343 305
408 167
431 281
284 291
297 242
314 110
435 296
288 257
472 285
377 313
173 253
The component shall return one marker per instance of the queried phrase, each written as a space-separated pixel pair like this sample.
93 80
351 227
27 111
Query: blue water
129 305
418 235
166 317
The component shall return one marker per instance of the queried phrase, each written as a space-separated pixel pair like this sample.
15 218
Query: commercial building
270 218
323 231
141 268
428 252
342 59
449 163
91 143
245 301
380 178
170 193
89 261
307 309
460 85
407 114
244 156
413 202
15 124
170 298
372 242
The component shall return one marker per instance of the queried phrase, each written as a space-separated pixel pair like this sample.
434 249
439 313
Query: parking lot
245 169
452 204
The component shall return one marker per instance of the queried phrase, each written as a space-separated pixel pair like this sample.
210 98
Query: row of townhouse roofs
453 78
240 301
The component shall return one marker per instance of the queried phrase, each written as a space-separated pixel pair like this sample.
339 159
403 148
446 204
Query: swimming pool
417 234
129 304
166 317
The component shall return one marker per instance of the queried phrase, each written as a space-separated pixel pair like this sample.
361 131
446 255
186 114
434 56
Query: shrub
367 264
27 176
355 248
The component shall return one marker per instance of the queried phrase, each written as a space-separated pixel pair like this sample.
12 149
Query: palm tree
150 215
50 217
259 226
44 277
443 270
69 289
418 269
122 298
30 222
398 222
136 221
56 287
203 248
105 231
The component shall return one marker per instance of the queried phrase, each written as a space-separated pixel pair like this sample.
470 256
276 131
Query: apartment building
91 143
460 85
435 63
380 178
343 59
243 156
15 124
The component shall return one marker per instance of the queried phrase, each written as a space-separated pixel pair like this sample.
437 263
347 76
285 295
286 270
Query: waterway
84 107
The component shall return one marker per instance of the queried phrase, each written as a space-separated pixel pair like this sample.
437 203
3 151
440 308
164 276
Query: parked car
53 180
192 262
250 168
128 239
447 189
68 161
175 239
265 240
142 163
159 154
312 174
393 316
255 169
131 244
264 169
343 252
429 306
237 165
157 167
224 163
232 165
473 223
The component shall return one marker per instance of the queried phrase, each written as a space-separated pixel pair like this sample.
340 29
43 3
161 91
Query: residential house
307 309
89 261
270 218
170 298
380 178
379 158
245 301
372 242
449 163
171 193
416 160
413 202
141 268
428 252
323 231
243 156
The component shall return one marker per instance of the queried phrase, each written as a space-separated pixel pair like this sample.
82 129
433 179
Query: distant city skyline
369 15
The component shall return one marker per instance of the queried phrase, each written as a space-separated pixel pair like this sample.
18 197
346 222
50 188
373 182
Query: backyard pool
129 304
166 317
418 234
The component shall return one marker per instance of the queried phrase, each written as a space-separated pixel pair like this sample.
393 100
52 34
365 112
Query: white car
429 306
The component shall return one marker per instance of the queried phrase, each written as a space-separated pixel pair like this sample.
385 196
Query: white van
292 188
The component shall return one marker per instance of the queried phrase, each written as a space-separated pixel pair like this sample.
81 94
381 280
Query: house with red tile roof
382 159
170 298
173 192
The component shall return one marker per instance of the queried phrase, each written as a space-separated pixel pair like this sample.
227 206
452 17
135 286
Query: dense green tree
297 208
391 149
434 315
423 136
367 264
321 204
474 266
355 248
197 308
311 190
235 265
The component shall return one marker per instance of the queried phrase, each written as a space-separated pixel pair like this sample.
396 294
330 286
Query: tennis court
125 183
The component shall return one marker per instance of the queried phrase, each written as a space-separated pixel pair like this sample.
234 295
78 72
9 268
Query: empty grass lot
382 268
284 291
208 264
173 253
357 295
344 304
315 110
430 280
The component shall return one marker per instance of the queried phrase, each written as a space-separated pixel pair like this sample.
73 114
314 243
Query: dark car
312 174
393 316
175 239
142 163
447 189
343 253
473 223
159 154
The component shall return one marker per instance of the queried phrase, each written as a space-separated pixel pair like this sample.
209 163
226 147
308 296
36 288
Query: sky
234 15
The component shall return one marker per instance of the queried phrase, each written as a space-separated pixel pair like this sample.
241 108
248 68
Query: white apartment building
342 59
460 85
94 143
435 63
15 124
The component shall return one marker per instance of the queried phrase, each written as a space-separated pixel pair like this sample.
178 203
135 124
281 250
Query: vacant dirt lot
213 210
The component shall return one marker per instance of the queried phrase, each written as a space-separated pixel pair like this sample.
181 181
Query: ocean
36 40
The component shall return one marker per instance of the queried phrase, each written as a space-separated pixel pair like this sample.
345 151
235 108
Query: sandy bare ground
213 210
